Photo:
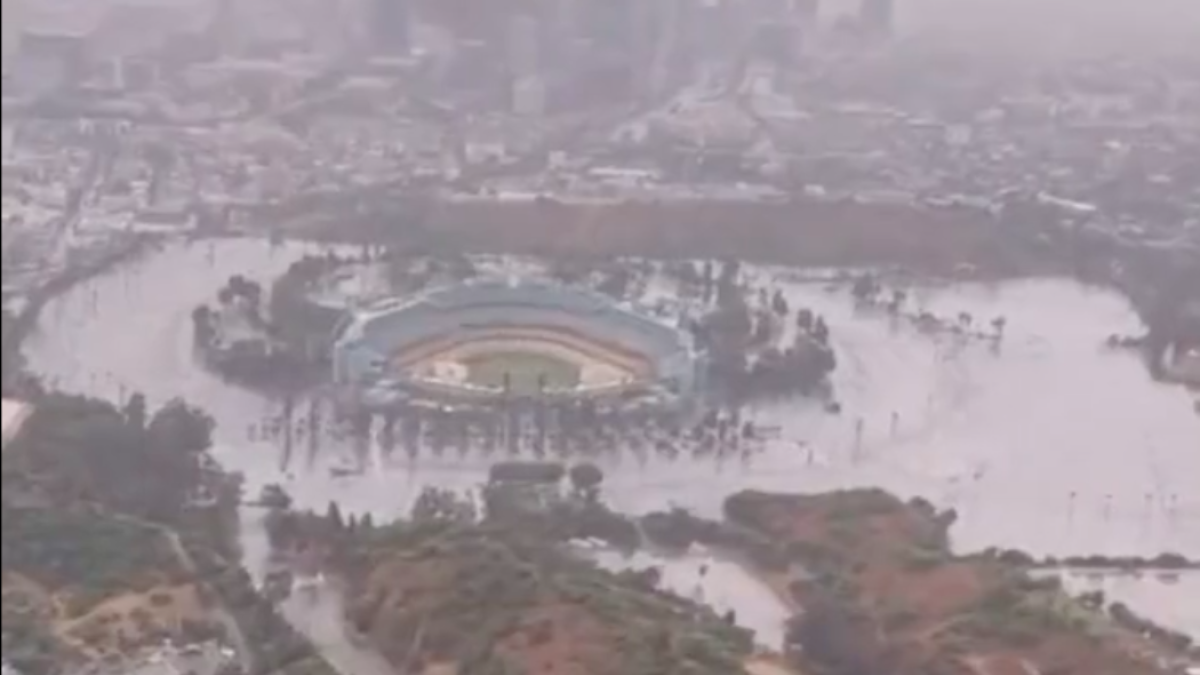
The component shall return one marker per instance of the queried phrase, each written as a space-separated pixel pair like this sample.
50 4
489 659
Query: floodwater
721 584
316 607
1170 599
1048 442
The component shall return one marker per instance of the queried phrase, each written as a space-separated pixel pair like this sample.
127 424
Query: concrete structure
13 415
407 349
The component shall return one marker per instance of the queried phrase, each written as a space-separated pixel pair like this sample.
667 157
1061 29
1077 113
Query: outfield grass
524 370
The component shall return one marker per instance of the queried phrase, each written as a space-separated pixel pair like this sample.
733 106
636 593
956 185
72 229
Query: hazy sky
1022 26
994 27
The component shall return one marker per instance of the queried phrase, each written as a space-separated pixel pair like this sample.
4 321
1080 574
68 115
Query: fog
1022 29
231 132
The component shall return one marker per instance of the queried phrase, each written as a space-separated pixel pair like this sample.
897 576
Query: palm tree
202 326
586 479
865 288
998 325
135 412
804 319
965 320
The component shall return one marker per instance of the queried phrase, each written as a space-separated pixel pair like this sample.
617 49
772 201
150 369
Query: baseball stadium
489 340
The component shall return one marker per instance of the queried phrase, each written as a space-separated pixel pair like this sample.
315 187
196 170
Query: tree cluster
76 450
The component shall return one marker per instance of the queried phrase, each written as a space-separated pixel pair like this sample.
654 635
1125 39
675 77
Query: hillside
89 568
475 599
117 536
883 593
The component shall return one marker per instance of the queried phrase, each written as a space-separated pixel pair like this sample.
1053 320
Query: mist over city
601 337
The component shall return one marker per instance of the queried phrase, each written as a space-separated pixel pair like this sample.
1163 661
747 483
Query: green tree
135 412
334 517
180 427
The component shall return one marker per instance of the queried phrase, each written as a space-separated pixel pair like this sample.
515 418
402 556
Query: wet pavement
1048 443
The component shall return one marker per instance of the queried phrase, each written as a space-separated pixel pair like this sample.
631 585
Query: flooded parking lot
1046 442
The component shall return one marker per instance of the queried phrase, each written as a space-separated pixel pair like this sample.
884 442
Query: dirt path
232 629
768 666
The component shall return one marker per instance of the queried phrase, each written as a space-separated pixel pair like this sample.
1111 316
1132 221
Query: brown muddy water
1046 442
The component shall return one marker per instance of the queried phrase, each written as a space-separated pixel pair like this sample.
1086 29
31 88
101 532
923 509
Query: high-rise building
806 10
529 96
649 22
714 31
564 16
876 16
48 62
778 42
610 24
226 30
11 28
389 27
524 53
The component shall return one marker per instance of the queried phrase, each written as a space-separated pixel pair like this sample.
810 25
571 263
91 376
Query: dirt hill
882 592
480 600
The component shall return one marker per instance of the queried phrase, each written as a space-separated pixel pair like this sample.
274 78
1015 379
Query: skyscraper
529 96
389 26
778 42
226 29
806 10
524 57
876 16
610 24
564 17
